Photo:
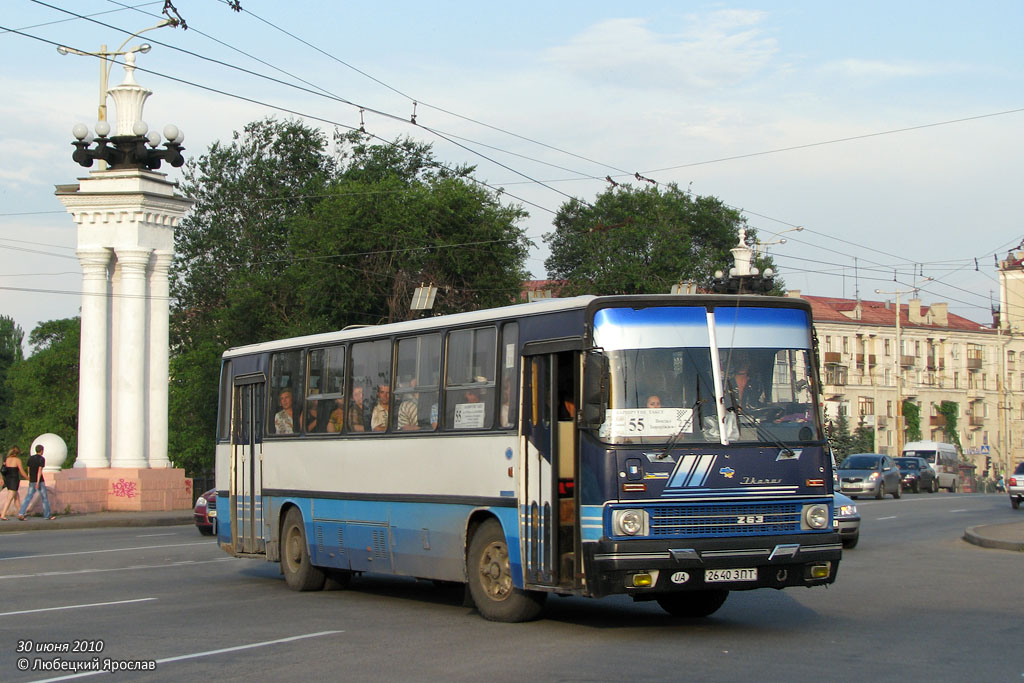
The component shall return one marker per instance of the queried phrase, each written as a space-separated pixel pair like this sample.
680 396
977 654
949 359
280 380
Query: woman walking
14 470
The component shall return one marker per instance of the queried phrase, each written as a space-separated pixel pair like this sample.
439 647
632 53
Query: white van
942 457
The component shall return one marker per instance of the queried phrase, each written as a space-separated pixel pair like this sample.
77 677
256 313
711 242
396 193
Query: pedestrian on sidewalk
36 463
13 471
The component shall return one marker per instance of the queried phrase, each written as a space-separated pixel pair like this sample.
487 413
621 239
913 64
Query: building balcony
871 358
908 361
975 393
881 421
935 364
833 358
938 421
974 364
976 421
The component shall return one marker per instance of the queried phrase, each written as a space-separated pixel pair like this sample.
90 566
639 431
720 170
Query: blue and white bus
665 447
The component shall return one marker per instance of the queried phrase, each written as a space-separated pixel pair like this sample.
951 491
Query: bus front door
548 473
247 467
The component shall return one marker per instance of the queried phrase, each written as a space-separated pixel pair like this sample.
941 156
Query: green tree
44 387
641 241
950 410
912 420
863 438
838 433
285 239
11 338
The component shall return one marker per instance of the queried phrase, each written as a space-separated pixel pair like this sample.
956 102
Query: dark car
846 520
917 475
205 513
869 474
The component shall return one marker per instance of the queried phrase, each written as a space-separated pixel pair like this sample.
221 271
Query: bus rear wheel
692 604
299 572
489 573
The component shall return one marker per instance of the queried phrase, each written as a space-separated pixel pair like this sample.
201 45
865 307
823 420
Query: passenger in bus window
506 403
355 411
311 420
408 410
284 420
379 417
337 419
654 401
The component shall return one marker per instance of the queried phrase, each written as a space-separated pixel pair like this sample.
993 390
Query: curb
971 535
91 522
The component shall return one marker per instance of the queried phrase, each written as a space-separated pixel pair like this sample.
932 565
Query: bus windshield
699 375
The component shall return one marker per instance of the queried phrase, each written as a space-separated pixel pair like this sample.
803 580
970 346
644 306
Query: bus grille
725 519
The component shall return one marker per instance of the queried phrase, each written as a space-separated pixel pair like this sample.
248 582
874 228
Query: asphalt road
913 601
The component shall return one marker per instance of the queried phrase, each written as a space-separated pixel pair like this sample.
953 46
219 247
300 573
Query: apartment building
937 356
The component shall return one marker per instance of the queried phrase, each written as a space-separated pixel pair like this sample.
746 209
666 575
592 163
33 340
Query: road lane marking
91 604
197 655
889 517
181 563
964 510
151 535
108 550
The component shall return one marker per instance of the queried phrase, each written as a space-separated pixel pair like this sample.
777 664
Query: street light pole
899 369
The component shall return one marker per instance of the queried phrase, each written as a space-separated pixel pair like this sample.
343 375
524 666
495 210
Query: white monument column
131 388
159 313
94 359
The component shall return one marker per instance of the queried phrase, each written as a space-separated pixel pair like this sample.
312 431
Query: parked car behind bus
205 513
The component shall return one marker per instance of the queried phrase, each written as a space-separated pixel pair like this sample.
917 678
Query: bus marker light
634 487
819 571
643 580
815 482
509 471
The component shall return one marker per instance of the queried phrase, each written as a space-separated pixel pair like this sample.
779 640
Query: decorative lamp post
107 62
128 148
744 277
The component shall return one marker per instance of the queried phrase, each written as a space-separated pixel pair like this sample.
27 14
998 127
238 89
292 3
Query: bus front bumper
651 568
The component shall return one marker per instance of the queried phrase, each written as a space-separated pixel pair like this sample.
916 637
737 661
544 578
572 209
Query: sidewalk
98 519
1008 536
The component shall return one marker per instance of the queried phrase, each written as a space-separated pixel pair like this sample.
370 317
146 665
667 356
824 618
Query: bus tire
299 572
489 574
693 604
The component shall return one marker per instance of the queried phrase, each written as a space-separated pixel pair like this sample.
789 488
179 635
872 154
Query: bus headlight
629 522
816 516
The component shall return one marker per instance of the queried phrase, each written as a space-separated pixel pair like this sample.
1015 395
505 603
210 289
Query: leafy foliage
285 240
641 241
863 439
912 420
44 387
950 410
11 338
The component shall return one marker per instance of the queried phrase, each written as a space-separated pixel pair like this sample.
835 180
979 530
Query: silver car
846 520
869 474
1015 486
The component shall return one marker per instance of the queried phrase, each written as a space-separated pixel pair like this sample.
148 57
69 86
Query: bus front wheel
490 579
693 604
298 570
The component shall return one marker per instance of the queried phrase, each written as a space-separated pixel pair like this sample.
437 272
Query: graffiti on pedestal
125 489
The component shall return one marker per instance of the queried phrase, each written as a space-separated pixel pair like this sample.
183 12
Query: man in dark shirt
36 463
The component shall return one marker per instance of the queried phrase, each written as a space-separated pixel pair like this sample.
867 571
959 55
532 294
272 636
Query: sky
892 133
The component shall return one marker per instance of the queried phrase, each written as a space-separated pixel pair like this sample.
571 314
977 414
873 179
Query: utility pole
899 368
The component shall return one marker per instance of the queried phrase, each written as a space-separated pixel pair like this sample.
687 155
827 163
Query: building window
846 344
885 345
865 406
888 408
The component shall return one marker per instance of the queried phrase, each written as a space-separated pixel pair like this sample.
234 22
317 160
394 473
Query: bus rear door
247 466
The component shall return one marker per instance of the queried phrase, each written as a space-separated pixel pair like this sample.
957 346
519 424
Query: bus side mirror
595 389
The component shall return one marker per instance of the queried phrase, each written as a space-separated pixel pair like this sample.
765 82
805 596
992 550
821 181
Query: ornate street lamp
744 277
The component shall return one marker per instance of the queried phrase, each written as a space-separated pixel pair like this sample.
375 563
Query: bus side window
285 414
508 358
371 386
470 380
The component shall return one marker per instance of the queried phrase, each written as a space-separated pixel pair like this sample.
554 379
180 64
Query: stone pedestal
98 489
